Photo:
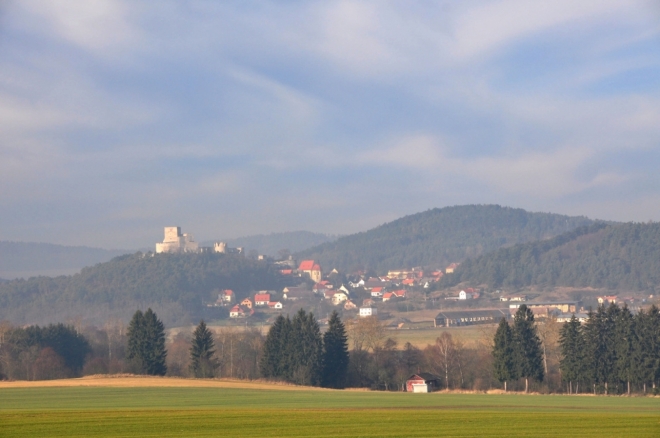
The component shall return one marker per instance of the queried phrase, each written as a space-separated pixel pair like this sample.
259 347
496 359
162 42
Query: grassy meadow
217 411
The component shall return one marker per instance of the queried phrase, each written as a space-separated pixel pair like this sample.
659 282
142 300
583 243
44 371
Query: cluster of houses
391 287
246 307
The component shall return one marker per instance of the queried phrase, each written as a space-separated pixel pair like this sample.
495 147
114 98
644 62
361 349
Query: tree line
614 351
295 351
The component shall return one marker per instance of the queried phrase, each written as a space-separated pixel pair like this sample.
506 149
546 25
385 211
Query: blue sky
236 118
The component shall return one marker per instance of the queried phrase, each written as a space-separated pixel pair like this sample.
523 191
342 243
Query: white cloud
98 26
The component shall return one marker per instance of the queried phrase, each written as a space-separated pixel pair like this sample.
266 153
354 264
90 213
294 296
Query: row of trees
295 351
38 353
517 350
614 349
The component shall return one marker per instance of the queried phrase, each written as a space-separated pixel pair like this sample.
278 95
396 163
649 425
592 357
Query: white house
368 311
339 297
462 295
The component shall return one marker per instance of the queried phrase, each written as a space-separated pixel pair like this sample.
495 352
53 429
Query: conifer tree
648 348
624 347
529 353
136 338
571 342
146 343
335 354
273 362
202 360
504 354
306 350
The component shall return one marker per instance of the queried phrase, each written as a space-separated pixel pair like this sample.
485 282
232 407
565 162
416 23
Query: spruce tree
529 353
335 354
306 346
146 343
202 360
273 360
504 363
624 347
136 339
572 363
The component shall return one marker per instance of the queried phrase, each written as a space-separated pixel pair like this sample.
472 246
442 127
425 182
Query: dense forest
618 257
176 285
439 237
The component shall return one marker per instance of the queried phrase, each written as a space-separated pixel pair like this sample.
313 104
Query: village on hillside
403 298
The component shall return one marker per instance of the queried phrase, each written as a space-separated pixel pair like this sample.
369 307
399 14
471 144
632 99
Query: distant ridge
28 259
440 236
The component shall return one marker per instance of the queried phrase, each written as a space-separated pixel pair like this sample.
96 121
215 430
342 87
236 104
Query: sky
118 118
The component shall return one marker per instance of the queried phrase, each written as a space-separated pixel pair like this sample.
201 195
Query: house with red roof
275 305
400 293
349 305
387 296
261 299
312 269
239 311
226 296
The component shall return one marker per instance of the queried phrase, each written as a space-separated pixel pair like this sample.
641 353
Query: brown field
133 381
468 335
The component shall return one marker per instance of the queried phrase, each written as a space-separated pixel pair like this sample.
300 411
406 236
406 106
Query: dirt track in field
131 381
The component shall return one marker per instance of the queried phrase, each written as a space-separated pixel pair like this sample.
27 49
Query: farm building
423 382
562 306
471 317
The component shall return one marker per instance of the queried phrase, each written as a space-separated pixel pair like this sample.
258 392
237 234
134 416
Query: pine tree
504 354
136 339
335 354
529 353
202 360
571 342
146 343
648 348
306 350
272 364
624 347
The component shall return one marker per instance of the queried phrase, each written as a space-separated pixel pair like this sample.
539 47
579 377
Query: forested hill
26 259
272 244
440 236
175 285
618 257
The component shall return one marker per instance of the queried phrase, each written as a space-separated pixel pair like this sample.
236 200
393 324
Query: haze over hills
439 237
618 257
272 244
27 259
175 285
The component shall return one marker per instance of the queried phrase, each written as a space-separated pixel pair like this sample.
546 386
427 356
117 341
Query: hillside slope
618 257
176 286
26 259
272 244
440 236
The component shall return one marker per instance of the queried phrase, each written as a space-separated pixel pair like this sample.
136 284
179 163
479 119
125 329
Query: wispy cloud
276 116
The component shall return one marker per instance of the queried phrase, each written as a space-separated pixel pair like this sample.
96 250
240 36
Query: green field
206 412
